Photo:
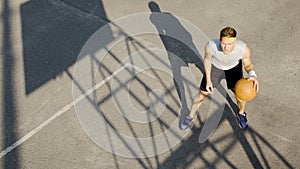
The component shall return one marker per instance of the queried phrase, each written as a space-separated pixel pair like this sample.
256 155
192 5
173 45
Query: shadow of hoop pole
9 112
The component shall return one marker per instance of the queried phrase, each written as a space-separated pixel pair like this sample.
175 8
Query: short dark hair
228 32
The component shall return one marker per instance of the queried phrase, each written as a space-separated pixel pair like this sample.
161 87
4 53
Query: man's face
227 46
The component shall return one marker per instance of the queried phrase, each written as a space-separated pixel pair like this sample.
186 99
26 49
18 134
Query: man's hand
209 87
255 84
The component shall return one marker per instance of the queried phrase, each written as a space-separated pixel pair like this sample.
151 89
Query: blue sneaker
186 123
242 119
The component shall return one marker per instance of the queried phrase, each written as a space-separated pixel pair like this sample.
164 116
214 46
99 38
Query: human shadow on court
182 47
167 26
53 34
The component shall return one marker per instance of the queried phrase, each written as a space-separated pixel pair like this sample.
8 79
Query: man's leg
232 76
197 101
241 115
216 76
241 105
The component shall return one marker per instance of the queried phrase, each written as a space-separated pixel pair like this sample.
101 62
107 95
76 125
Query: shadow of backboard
53 34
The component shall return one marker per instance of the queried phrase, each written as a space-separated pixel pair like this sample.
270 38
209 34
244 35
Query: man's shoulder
240 42
215 40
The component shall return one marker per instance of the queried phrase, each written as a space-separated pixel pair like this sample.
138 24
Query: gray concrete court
40 43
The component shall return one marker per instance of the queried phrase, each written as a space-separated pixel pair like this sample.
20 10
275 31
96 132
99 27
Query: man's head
227 38
154 6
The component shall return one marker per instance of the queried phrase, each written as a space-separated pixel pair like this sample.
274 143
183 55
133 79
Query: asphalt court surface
45 125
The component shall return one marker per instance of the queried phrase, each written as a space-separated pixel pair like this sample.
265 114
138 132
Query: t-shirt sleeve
212 47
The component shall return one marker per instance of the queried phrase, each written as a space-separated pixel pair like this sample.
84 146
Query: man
224 56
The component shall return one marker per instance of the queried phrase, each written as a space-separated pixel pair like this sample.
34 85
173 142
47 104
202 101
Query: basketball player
224 58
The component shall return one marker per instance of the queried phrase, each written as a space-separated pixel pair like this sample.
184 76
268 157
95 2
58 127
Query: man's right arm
207 68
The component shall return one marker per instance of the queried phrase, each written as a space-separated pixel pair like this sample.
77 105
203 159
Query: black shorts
232 76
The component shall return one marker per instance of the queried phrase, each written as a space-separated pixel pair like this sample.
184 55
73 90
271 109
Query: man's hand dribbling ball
255 82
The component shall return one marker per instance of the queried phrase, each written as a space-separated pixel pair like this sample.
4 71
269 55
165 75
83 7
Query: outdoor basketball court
104 84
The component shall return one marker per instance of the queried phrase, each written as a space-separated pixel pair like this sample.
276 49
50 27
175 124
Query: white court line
285 139
63 110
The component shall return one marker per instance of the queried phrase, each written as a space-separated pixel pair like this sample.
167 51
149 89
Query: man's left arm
249 67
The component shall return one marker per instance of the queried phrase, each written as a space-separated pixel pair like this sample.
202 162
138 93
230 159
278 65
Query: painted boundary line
62 110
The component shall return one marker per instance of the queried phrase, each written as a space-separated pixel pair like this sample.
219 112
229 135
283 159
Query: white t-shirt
226 61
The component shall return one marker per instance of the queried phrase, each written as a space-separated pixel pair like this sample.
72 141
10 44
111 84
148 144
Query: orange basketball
244 90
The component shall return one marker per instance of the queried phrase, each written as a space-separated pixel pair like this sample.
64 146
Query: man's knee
203 93
200 96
